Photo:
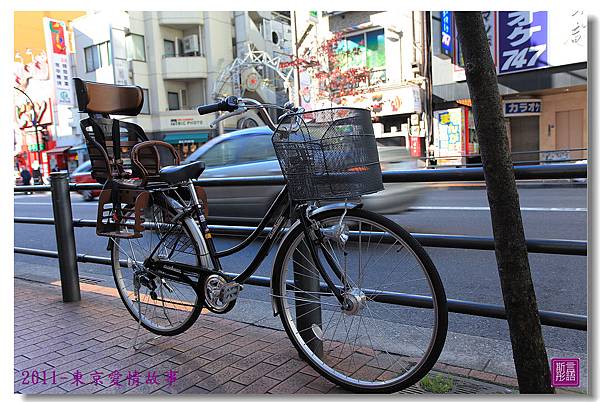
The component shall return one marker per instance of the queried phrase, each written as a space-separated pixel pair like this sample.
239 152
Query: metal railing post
65 236
308 311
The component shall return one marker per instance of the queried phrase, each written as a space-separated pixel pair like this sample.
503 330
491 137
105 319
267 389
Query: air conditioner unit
190 44
274 32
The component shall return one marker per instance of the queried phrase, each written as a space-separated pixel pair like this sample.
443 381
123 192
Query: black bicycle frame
283 208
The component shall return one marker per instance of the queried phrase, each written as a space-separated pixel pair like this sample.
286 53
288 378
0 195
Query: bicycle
334 283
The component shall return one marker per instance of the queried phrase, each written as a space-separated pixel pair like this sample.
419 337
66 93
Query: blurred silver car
249 152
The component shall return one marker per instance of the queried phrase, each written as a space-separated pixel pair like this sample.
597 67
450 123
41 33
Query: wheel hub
354 301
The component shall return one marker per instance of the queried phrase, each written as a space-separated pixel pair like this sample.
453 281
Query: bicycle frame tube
280 204
281 208
310 241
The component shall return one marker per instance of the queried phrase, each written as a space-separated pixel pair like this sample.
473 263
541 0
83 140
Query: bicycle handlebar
228 104
237 106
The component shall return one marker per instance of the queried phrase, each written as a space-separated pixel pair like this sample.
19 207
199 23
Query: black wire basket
328 154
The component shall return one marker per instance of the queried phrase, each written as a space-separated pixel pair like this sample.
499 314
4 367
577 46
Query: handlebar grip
228 104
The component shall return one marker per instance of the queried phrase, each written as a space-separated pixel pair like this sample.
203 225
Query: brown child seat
122 157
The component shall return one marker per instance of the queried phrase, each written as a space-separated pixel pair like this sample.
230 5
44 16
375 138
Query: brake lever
241 110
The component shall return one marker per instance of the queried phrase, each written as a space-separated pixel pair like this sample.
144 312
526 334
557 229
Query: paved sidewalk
86 347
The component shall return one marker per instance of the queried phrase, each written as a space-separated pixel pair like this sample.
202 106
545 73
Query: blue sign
522 40
529 107
446 36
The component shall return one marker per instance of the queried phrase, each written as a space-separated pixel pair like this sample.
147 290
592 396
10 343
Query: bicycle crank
219 295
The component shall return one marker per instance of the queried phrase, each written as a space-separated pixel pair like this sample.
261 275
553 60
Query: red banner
59 45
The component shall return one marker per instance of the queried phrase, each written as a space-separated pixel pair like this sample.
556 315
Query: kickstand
136 347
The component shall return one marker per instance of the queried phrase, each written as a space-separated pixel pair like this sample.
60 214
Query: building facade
541 62
44 130
388 50
176 57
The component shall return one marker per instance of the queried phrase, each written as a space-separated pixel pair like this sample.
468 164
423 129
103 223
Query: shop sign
34 147
523 40
183 122
56 45
383 103
529 40
446 36
522 107
25 112
450 127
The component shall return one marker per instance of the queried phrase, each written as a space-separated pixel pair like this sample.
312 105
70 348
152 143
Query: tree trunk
529 352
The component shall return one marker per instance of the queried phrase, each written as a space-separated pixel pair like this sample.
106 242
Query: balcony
180 19
177 68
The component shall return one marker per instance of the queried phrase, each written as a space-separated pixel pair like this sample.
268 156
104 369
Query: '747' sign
522 40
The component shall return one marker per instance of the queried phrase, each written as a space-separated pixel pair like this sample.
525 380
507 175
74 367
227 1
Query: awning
186 138
58 150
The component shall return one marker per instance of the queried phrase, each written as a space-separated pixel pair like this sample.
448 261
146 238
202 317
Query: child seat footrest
125 218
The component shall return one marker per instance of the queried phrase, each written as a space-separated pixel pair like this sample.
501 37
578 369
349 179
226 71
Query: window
91 59
255 148
169 48
135 47
104 50
97 56
173 98
221 154
184 100
366 49
243 149
146 105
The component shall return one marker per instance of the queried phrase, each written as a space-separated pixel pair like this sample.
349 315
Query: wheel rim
176 302
368 344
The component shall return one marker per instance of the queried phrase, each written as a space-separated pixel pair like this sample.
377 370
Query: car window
237 150
221 154
255 148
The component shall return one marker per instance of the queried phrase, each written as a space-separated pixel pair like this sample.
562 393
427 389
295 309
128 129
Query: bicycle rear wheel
163 305
392 328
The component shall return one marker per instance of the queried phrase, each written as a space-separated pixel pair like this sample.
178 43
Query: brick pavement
56 342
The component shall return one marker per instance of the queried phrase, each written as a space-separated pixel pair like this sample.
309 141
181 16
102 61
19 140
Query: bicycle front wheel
390 328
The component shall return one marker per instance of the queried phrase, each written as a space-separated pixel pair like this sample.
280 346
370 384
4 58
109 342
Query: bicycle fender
290 230
329 207
337 205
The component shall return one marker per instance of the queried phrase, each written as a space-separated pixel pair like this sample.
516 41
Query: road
557 212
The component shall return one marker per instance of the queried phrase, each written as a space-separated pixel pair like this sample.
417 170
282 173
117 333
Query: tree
324 63
529 352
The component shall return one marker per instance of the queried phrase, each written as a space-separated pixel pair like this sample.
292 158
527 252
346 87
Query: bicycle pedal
230 292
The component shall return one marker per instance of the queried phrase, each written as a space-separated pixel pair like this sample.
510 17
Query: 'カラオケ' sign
522 107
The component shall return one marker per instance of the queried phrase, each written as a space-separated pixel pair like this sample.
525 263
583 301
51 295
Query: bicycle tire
116 267
438 298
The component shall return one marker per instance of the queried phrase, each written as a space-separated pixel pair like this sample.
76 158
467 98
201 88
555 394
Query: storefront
522 118
186 142
455 139
541 64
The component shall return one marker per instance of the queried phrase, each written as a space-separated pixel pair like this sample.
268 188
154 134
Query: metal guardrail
544 246
542 172
551 318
